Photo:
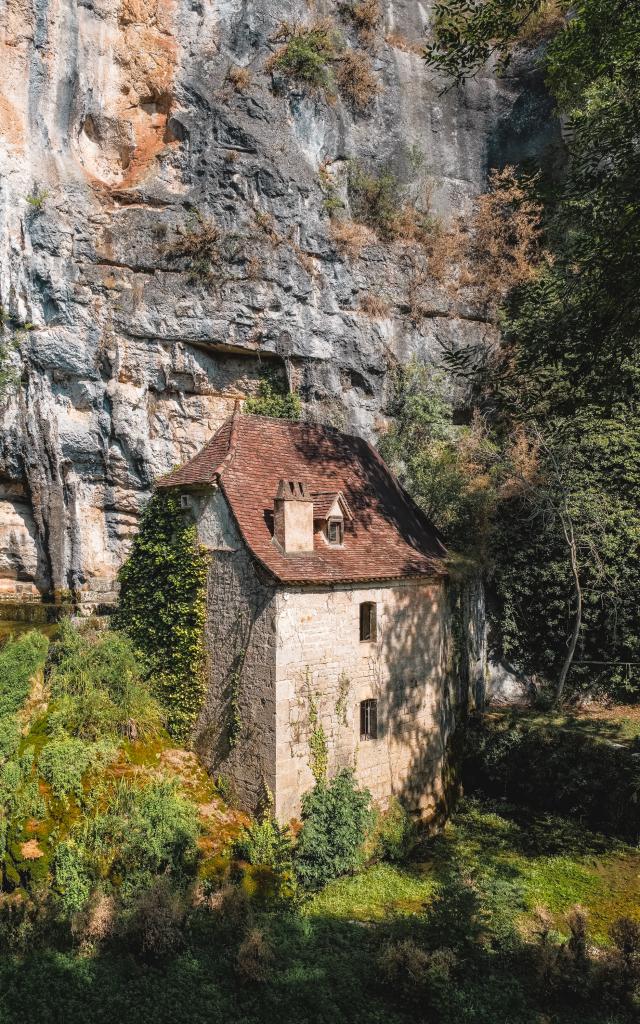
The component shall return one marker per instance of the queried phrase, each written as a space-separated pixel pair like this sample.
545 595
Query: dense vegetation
551 460
162 606
128 888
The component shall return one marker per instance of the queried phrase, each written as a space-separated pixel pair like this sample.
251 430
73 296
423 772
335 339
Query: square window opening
368 621
369 720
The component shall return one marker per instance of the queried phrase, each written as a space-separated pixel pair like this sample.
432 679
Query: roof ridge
233 435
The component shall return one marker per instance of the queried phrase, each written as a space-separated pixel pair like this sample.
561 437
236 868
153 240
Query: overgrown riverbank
131 891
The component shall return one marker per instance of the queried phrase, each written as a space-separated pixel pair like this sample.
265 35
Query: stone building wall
240 638
323 669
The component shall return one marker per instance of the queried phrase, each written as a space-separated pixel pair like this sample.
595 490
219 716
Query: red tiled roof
323 502
389 536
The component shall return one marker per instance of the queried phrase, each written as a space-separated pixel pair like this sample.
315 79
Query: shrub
155 925
375 197
366 16
307 53
356 79
416 974
374 306
143 832
273 400
394 834
351 237
238 77
266 843
335 820
98 688
201 245
64 763
20 659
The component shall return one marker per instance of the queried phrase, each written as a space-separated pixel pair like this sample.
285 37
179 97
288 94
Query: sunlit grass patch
381 891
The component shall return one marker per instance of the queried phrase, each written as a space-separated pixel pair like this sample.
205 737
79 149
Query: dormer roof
386 535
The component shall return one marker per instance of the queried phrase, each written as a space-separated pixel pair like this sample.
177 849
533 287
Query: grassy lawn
547 861
381 892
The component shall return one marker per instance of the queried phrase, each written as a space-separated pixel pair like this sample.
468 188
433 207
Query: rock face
121 138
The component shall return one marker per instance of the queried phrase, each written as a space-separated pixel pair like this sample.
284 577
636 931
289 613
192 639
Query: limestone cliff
119 125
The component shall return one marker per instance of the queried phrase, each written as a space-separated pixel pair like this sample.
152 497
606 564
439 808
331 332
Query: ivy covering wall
163 606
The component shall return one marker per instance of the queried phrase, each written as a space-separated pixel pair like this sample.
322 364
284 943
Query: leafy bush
98 688
64 763
376 197
265 843
417 974
307 53
273 400
394 834
556 770
144 832
19 661
335 819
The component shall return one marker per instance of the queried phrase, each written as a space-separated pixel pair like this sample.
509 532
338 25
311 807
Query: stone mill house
328 621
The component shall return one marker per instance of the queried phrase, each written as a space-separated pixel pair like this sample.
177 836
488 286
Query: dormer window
335 531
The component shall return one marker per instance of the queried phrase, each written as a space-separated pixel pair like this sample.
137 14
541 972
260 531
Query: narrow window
367 621
369 720
334 531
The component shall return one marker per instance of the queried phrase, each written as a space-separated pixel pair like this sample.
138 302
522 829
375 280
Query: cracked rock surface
119 127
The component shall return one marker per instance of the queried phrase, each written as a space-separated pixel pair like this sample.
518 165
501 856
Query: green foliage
318 745
375 197
163 607
20 659
466 33
36 200
307 53
265 843
144 832
394 834
557 770
273 400
442 465
569 366
335 819
64 764
98 688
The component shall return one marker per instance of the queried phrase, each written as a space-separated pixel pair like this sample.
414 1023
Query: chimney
293 517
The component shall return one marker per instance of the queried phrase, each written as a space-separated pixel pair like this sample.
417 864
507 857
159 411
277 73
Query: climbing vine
318 746
163 605
343 697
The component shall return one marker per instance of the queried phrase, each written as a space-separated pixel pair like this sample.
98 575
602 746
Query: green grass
618 724
382 891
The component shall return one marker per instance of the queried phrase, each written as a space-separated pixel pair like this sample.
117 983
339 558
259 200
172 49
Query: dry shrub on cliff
504 243
366 15
374 306
356 79
239 78
200 246
352 237
400 42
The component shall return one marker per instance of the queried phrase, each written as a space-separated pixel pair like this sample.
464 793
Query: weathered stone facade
324 670
283 661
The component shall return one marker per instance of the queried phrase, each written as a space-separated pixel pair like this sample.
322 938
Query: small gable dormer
330 510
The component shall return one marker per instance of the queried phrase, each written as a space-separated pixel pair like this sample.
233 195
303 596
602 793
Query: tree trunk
562 678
